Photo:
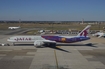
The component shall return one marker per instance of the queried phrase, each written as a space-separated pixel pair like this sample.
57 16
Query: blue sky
52 10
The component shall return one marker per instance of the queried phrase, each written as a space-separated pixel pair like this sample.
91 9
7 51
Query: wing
48 41
42 42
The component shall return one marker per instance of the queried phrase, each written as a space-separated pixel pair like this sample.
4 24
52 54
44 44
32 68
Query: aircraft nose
8 39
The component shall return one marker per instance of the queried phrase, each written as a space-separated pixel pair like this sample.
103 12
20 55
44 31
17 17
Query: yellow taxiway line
56 59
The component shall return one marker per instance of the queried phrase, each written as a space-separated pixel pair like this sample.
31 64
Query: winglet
84 32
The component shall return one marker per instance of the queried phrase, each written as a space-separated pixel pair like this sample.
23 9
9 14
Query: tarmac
78 55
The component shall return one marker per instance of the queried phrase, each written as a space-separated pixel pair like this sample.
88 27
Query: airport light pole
19 22
99 25
52 27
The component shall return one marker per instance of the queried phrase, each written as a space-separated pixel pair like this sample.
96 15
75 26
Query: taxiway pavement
71 56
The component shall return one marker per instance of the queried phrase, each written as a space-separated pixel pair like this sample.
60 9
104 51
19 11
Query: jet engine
38 43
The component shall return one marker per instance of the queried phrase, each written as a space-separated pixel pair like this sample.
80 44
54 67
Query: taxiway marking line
58 46
56 58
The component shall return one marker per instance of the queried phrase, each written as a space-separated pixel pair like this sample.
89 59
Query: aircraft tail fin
85 31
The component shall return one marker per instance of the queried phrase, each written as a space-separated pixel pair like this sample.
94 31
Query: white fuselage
25 38
29 38
33 38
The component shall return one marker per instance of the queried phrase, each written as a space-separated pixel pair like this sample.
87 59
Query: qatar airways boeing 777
41 40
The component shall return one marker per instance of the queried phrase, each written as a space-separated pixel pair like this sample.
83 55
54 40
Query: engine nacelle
38 43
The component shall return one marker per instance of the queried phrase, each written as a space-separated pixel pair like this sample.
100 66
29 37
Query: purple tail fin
84 32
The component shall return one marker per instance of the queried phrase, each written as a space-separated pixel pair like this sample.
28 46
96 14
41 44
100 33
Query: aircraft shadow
57 48
51 46
60 44
88 44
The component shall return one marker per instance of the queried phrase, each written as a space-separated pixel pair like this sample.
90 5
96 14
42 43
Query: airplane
99 34
41 31
14 27
39 41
